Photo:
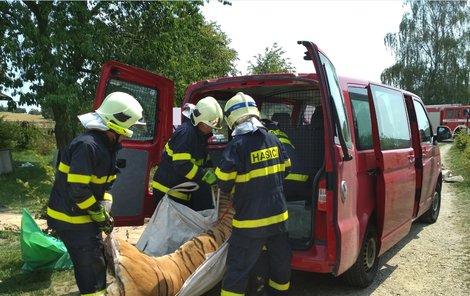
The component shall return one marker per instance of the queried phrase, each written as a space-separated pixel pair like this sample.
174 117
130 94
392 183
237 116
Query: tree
58 47
271 62
432 51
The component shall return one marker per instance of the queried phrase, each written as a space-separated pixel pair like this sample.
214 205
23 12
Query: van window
361 117
148 99
423 123
338 100
268 109
392 119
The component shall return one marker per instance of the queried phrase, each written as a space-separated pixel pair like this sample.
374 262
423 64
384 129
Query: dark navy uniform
85 174
253 167
184 157
295 183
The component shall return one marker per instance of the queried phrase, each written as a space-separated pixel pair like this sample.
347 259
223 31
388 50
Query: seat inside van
309 142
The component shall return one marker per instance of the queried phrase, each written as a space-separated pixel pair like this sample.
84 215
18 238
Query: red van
372 161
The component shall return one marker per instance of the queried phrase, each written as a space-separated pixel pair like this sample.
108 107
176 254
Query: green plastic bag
40 250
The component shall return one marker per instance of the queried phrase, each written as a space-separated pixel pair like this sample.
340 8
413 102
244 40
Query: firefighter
252 168
295 183
85 174
185 156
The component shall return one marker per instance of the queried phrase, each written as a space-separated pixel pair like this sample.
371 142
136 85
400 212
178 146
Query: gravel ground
430 260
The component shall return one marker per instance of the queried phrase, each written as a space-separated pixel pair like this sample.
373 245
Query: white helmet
209 112
239 107
120 111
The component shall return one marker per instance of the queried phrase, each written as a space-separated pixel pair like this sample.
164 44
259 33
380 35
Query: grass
458 167
27 186
14 282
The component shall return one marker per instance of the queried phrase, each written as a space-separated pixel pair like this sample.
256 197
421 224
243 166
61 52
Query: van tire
431 215
364 270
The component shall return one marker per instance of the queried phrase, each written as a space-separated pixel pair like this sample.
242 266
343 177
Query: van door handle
373 172
411 158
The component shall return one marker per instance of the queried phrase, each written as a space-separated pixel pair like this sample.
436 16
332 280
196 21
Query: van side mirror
443 133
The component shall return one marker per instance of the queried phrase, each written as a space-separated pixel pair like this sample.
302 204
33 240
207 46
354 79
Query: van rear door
396 174
132 200
343 241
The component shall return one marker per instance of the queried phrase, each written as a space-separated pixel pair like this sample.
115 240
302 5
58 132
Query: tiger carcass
139 274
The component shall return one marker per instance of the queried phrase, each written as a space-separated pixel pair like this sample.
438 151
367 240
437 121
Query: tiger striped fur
139 274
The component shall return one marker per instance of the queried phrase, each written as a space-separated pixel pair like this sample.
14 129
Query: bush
8 136
23 136
462 141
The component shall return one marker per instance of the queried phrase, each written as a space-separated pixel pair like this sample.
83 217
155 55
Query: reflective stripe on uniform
297 177
260 222
279 287
227 293
69 219
185 156
99 293
224 176
262 172
76 178
286 141
164 189
192 173
85 179
86 203
107 196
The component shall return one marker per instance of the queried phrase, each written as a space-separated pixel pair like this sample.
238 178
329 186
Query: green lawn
27 187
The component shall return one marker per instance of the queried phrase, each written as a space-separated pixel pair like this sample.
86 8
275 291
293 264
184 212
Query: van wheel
431 215
364 270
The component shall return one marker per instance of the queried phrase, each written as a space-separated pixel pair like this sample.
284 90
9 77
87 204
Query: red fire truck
450 118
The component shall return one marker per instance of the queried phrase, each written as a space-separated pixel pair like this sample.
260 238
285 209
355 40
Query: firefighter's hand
102 219
209 177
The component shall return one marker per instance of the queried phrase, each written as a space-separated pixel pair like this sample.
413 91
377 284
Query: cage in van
368 150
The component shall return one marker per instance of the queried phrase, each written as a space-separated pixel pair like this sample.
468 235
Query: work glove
209 177
102 218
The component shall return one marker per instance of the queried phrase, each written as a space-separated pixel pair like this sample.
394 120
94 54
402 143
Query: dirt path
431 260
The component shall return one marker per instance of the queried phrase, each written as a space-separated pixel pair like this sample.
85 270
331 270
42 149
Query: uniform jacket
184 157
253 167
84 177
297 171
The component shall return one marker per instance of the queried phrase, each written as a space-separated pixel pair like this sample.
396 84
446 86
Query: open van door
396 174
343 241
132 200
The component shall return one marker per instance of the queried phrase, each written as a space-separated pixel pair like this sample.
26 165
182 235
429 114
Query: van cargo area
293 101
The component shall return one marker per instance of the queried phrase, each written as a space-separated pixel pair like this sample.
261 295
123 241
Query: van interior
295 105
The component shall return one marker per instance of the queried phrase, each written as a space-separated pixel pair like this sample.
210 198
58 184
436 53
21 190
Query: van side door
396 175
425 152
132 200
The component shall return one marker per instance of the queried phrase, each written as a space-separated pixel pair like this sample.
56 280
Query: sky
351 33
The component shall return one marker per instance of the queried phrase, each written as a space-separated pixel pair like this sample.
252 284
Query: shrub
462 141
23 136
8 134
